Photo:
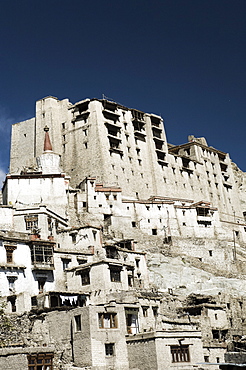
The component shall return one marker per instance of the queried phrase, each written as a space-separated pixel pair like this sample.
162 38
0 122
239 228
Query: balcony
111 115
158 140
42 257
157 132
137 116
113 126
156 122
81 116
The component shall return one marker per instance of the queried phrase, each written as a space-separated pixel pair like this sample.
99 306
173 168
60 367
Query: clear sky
183 59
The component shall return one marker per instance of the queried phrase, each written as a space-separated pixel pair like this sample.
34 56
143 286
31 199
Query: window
145 311
180 353
155 311
41 361
77 320
154 231
41 283
206 358
130 278
132 321
133 224
109 349
94 234
85 277
42 254
111 252
12 300
11 280
9 252
107 320
34 301
31 222
65 263
73 236
126 244
115 274
81 261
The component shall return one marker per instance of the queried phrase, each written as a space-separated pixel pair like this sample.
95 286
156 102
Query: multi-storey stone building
118 250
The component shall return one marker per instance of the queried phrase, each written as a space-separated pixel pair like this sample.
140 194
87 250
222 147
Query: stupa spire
47 142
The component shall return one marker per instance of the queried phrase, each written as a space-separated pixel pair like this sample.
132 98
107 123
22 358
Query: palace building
119 250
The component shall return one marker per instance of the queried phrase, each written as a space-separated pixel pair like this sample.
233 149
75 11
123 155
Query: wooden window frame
180 353
111 318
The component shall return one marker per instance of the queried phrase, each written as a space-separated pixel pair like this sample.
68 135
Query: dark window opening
12 300
74 237
200 211
65 263
126 244
34 301
85 277
223 167
77 320
167 240
83 107
156 133
107 219
130 280
41 284
206 358
155 311
185 162
109 349
134 224
155 121
154 231
204 223
109 105
220 335
145 311
180 353
115 274
112 252
81 261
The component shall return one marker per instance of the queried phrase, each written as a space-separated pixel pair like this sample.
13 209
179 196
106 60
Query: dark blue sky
183 59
